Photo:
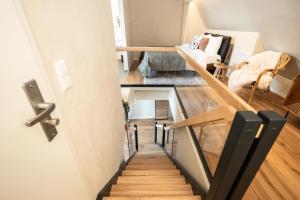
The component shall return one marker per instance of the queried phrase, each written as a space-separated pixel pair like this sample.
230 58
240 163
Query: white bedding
201 57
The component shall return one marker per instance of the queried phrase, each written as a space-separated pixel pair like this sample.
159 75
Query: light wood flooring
151 176
279 176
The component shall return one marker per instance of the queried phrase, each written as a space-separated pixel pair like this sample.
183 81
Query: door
117 7
30 167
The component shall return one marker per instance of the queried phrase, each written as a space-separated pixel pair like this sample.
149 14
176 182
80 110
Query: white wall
192 22
142 109
245 44
153 23
81 33
31 167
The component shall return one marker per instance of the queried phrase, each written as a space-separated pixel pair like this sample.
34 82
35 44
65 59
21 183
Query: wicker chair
284 59
292 101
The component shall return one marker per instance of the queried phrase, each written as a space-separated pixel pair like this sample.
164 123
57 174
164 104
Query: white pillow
196 41
213 45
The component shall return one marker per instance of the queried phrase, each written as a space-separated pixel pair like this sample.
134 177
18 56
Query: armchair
283 61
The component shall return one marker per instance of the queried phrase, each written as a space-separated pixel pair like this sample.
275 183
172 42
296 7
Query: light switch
62 75
60 68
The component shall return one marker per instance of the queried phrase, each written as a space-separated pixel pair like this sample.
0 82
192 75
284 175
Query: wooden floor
279 176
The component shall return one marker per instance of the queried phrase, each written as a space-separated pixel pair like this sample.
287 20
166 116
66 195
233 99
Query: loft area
147 100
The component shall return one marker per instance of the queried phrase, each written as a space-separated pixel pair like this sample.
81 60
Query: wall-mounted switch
62 75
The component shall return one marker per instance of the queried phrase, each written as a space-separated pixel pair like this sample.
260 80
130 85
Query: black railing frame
155 133
273 124
239 140
136 137
163 141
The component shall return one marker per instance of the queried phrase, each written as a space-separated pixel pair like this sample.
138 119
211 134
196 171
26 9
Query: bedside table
220 70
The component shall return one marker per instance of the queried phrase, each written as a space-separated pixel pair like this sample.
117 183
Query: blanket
250 72
161 61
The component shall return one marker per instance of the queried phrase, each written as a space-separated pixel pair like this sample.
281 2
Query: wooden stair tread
150 174
155 198
150 156
151 193
149 161
160 187
152 159
151 180
150 167
168 172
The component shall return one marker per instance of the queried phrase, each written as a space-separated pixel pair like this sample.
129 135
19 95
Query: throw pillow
213 45
203 44
196 41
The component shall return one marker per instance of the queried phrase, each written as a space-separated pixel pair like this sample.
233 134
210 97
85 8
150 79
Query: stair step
168 172
149 193
150 163
147 155
150 180
158 156
137 160
151 190
155 198
140 167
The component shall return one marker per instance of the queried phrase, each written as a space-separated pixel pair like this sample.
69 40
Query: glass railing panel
159 134
169 136
131 141
126 148
211 139
185 152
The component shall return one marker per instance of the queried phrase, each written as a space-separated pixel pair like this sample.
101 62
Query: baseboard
106 189
281 85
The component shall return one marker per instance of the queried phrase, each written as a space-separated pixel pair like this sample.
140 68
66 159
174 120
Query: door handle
41 109
47 109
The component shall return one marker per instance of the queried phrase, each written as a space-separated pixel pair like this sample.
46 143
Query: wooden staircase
151 176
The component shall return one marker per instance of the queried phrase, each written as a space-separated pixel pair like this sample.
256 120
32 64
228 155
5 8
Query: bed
152 62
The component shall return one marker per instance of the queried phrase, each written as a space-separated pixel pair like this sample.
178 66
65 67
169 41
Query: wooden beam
220 113
230 97
156 49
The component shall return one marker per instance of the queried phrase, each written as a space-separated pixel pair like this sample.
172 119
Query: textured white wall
81 33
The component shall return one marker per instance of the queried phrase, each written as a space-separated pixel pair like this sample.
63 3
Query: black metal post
155 133
163 137
136 137
273 124
240 138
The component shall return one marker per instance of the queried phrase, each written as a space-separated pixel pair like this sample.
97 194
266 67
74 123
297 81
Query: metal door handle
41 109
47 109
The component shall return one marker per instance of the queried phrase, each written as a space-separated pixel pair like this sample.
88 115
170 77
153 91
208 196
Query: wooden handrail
220 113
230 97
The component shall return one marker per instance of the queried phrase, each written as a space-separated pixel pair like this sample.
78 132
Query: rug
175 78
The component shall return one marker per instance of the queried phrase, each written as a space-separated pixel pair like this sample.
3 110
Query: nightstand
220 71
